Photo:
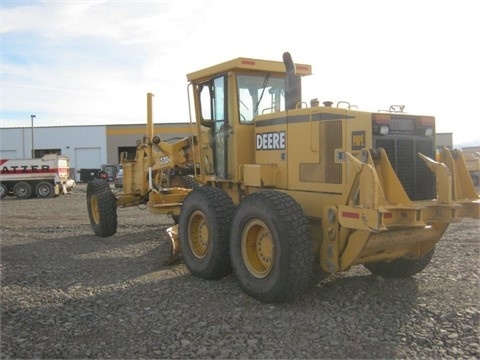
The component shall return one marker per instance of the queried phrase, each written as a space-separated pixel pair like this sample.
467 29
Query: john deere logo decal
271 140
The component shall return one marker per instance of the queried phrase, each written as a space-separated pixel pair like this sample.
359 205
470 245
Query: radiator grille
416 178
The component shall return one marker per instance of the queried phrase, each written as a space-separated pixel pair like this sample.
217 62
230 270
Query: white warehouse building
89 147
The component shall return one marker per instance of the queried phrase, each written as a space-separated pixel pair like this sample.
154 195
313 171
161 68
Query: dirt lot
68 294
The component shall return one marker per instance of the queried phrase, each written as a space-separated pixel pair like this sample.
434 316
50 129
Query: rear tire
44 190
22 190
102 208
400 268
271 248
204 230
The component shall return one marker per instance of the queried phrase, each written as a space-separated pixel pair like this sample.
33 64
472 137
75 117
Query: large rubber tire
400 268
100 185
44 190
22 190
271 248
102 208
3 191
204 230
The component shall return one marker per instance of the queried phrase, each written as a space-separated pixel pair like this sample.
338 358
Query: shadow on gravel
85 260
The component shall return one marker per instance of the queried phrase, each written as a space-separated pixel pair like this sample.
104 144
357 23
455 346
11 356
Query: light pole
33 146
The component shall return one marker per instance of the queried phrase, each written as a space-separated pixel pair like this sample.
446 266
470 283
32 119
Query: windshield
259 94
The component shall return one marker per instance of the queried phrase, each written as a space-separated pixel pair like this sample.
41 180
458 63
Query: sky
93 62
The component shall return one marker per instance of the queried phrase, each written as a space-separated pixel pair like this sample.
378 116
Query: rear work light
383 130
428 132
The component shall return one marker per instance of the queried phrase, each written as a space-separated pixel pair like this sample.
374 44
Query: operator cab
228 97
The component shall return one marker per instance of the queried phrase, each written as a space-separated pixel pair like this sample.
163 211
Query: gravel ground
68 294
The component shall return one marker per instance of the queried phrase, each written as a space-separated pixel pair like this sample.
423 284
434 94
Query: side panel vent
332 140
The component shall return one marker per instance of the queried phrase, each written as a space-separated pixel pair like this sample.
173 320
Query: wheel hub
258 248
95 210
198 234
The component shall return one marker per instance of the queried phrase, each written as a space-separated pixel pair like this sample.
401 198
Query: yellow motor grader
291 189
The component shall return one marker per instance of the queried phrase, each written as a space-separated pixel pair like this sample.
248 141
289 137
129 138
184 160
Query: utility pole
33 145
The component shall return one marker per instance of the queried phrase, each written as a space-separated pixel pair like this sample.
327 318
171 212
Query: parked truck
292 190
43 177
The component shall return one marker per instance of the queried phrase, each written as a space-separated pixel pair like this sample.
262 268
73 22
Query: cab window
259 94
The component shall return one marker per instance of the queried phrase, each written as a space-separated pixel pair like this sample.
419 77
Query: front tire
204 229
400 268
44 190
271 249
102 208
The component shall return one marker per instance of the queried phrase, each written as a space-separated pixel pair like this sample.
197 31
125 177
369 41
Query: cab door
215 126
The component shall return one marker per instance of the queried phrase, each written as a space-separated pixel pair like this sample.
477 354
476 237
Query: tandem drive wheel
204 230
271 247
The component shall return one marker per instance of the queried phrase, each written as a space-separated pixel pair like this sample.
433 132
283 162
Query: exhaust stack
293 83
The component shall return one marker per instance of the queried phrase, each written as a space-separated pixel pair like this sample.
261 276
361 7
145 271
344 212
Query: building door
87 158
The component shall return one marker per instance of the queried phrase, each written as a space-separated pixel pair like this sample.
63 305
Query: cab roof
247 64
